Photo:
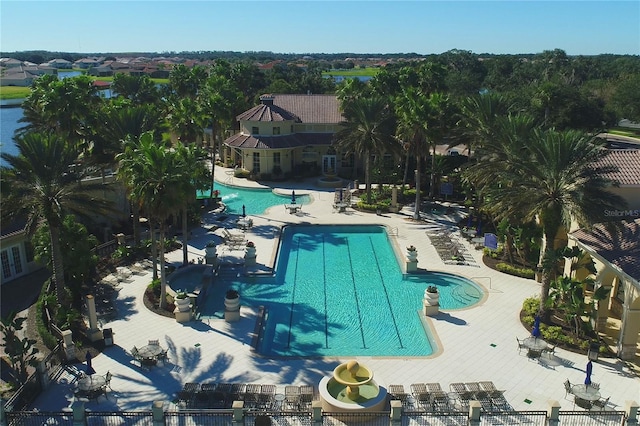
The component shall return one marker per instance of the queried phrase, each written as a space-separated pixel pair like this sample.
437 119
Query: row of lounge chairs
450 249
432 397
255 396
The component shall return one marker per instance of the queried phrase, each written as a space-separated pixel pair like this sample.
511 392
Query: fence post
316 413
474 413
157 411
553 413
3 416
68 345
43 374
238 412
396 412
79 415
631 407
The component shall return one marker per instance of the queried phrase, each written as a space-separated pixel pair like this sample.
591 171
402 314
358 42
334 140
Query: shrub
518 272
241 173
47 338
553 333
530 306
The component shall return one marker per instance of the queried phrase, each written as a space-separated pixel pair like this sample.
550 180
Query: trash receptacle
594 351
107 334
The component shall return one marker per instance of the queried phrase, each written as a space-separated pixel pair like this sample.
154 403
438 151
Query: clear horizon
308 27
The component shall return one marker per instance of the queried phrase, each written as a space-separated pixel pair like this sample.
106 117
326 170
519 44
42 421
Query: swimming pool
339 291
256 201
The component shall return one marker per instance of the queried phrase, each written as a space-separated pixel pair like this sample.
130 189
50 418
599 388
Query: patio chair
551 351
292 397
601 403
521 345
107 380
307 395
567 388
251 395
582 403
267 395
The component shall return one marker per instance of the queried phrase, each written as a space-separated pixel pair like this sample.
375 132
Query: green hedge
518 272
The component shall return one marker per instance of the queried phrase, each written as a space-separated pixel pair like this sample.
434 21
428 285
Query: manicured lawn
14 92
359 72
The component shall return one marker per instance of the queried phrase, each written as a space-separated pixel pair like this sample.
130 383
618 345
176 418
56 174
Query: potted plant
431 300
232 301
412 254
182 303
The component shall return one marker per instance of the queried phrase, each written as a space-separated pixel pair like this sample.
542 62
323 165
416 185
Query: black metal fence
32 387
290 418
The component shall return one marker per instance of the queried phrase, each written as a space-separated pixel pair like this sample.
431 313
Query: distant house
87 63
59 64
288 135
10 63
16 253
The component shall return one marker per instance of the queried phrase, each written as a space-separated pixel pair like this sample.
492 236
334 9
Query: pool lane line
324 283
386 293
293 293
355 295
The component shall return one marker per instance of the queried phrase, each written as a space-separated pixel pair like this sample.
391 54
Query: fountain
352 388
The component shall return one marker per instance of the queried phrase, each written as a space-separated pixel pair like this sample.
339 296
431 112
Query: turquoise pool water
339 291
256 201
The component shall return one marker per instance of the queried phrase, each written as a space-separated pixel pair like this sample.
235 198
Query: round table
149 353
91 383
586 392
535 343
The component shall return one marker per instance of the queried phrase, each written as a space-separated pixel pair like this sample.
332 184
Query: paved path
477 343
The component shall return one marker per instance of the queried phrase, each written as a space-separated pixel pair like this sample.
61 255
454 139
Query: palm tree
42 184
195 176
154 176
549 176
367 130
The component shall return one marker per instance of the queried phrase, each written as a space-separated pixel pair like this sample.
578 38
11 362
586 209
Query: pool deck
477 343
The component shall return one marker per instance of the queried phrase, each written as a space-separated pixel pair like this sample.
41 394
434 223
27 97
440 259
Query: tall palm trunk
432 184
416 210
551 220
185 236
163 275
135 215
154 248
56 261
367 175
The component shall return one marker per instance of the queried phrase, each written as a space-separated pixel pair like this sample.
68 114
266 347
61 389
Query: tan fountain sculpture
351 388
352 375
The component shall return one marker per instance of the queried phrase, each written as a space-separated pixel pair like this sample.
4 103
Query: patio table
91 383
535 346
586 392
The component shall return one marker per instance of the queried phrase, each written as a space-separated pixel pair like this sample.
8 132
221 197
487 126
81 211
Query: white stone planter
412 255
431 303
232 304
210 251
182 305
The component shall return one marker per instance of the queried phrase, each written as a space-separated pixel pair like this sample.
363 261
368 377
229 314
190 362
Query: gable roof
627 161
620 247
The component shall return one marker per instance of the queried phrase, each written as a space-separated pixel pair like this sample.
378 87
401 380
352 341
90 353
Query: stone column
553 413
68 345
474 413
396 412
94 332
250 256
629 333
79 416
394 200
238 412
631 408
42 373
316 413
157 411
211 256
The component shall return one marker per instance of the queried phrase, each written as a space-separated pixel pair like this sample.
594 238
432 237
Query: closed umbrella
535 332
244 211
587 379
89 370
293 197
340 194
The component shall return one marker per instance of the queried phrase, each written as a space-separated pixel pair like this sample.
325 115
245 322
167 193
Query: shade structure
89 370
587 379
535 332
293 197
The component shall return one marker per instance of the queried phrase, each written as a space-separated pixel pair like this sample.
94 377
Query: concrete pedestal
232 316
431 310
412 266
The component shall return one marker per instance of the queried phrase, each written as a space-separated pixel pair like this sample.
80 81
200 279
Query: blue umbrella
479 228
293 197
587 380
89 370
470 221
535 332
244 211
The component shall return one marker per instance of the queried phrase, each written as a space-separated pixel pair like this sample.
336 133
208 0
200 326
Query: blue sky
420 26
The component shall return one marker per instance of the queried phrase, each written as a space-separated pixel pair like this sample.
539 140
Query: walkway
477 343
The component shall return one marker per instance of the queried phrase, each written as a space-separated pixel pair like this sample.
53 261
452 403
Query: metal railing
225 417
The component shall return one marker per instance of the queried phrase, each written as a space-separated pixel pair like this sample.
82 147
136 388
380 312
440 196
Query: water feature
255 201
351 388
340 291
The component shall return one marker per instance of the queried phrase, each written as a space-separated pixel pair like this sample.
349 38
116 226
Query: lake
8 125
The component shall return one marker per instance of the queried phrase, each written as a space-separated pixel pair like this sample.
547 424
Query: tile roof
621 247
628 163
267 113
322 109
278 142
